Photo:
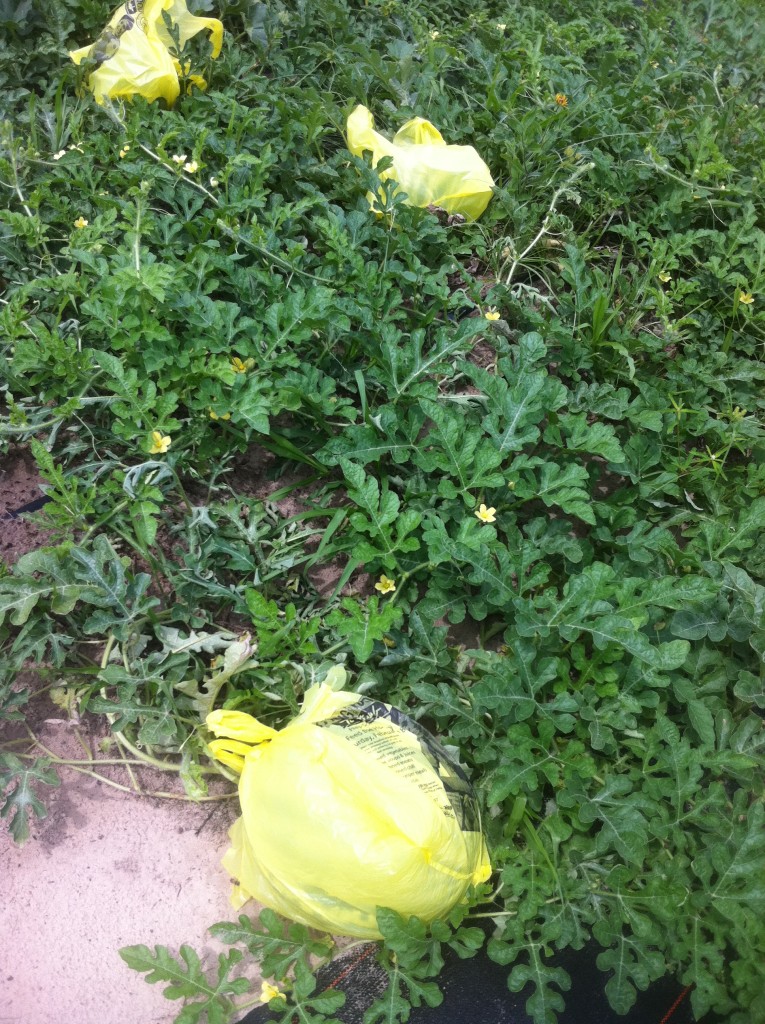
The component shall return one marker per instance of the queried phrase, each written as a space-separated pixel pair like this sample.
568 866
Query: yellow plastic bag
426 168
132 53
351 806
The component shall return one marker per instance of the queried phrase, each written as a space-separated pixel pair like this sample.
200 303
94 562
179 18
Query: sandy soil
19 484
107 869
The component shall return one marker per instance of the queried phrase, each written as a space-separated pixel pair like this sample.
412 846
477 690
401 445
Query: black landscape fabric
475 992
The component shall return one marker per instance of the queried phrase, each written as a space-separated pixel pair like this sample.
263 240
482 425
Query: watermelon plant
511 472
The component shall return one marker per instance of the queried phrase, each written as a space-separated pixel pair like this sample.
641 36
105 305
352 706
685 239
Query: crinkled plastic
426 168
351 806
132 53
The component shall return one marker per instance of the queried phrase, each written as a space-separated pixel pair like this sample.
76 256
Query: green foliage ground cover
609 699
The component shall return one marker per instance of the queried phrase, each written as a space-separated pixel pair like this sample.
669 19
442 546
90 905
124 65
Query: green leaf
205 997
545 1002
254 405
277 944
594 438
750 688
461 452
408 368
21 799
363 624
691 624
622 816
380 509
362 445
554 485
519 397
41 575
409 939
516 688
634 967
724 538
144 515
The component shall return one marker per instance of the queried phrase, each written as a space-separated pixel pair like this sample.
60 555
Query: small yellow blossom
159 442
561 99
654 64
179 158
191 167
238 365
486 515
214 182
57 156
80 223
746 298
72 145
665 276
501 26
384 585
124 152
223 415
491 314
434 34
268 992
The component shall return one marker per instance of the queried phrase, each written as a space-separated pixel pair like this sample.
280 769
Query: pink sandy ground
107 869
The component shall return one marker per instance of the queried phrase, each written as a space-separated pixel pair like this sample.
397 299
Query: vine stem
77 766
98 760
498 913
335 647
406 576
550 211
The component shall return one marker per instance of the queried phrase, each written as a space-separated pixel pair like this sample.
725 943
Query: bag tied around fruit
429 171
132 55
351 806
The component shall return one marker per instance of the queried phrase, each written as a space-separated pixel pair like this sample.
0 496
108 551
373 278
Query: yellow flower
486 515
561 99
213 182
384 585
124 151
268 992
501 26
665 276
159 442
179 158
80 223
434 35
223 416
746 298
491 314
191 167
654 63
238 365
57 156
